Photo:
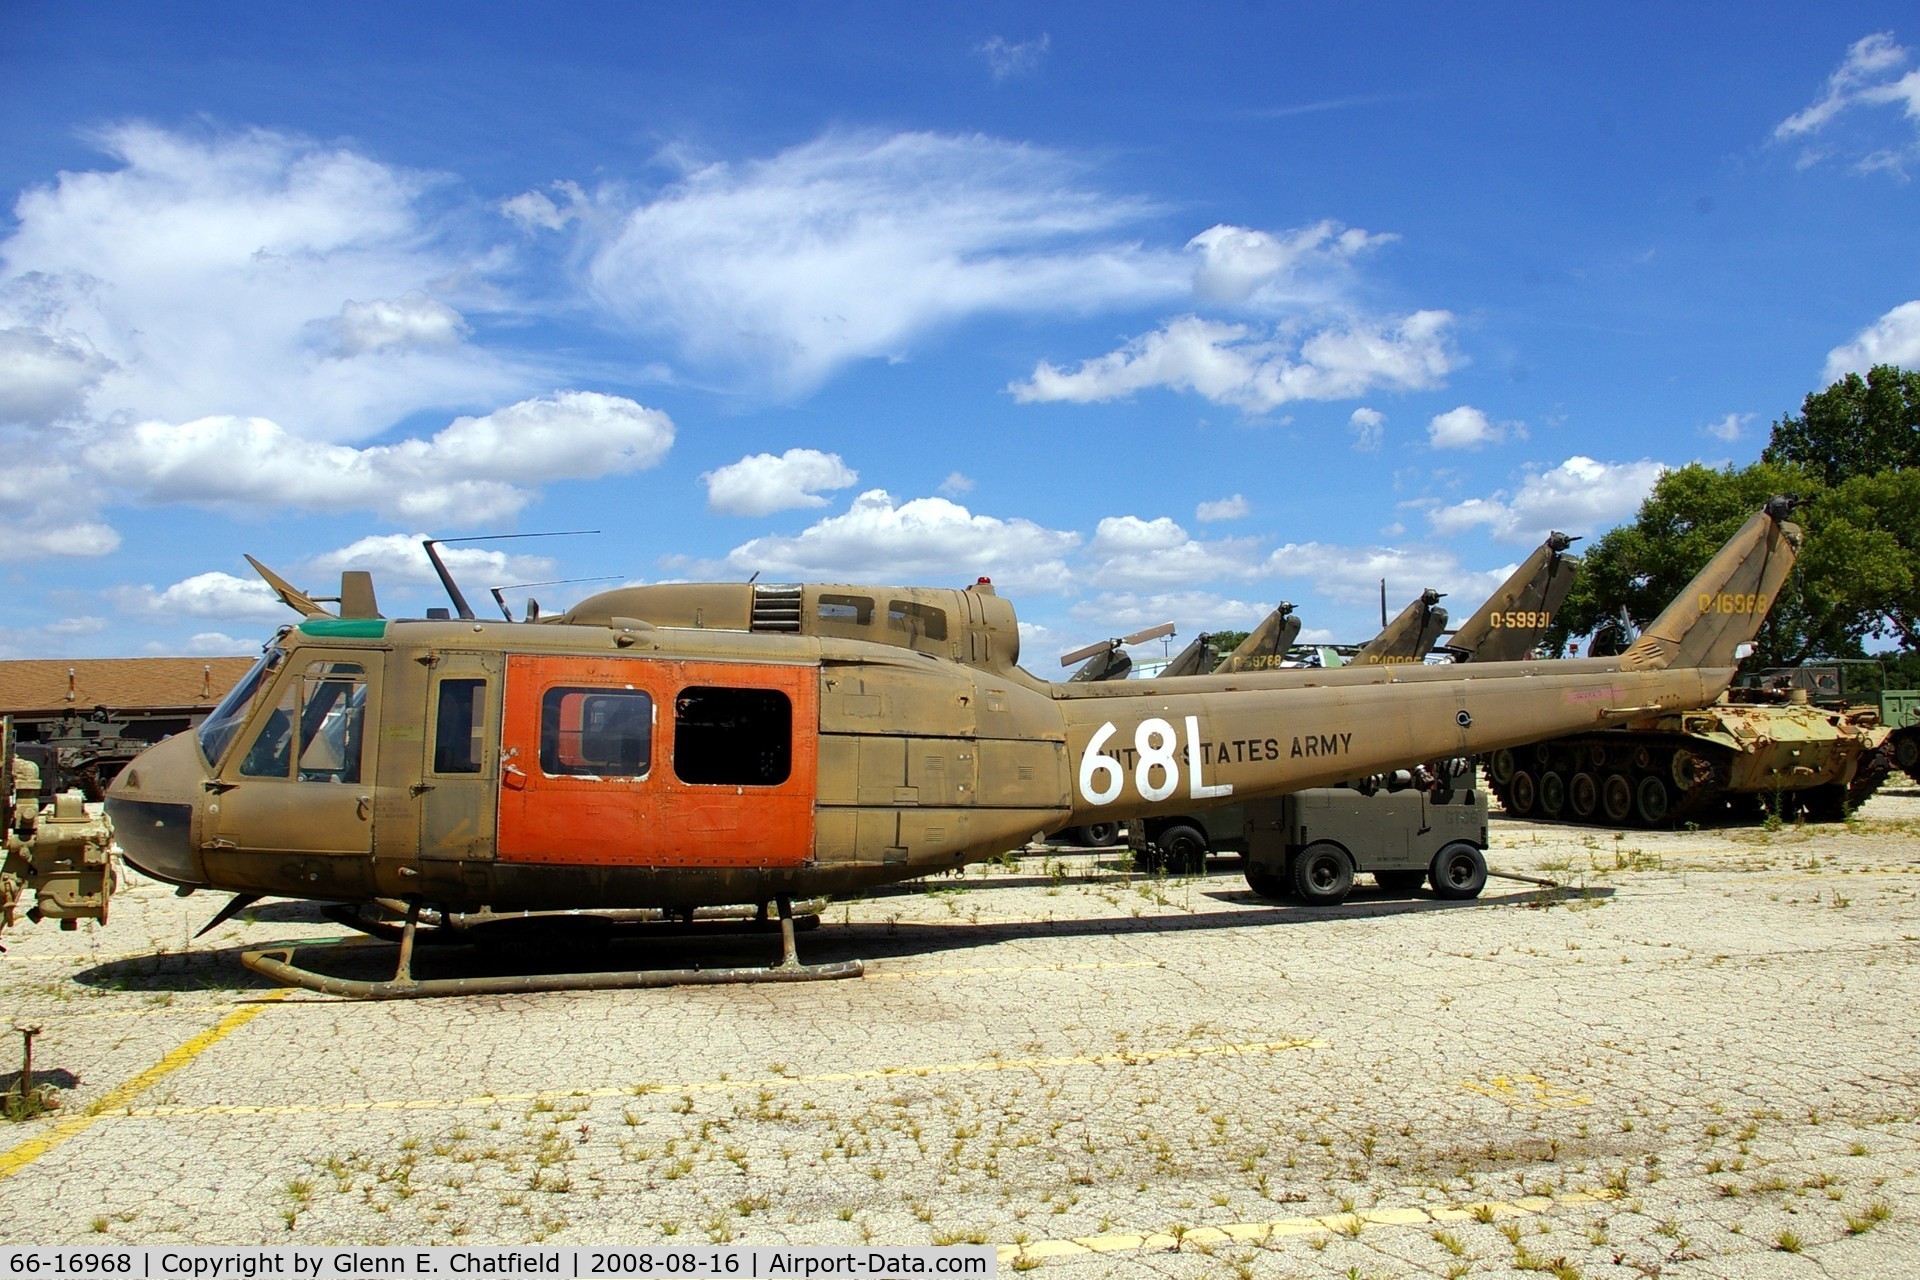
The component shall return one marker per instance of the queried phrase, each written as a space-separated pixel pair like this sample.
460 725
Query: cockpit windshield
217 730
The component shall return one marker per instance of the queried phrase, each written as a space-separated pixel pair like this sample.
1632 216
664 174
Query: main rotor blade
1068 659
1151 633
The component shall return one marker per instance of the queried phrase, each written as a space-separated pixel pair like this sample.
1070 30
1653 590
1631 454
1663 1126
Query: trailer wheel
1322 874
1183 850
1400 882
1459 871
1098 835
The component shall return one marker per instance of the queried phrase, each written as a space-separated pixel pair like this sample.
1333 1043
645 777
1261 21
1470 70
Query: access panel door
641 762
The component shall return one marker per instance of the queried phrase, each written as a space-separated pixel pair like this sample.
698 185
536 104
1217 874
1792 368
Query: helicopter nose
151 807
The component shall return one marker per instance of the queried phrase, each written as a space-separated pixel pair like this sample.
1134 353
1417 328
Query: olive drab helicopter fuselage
682 746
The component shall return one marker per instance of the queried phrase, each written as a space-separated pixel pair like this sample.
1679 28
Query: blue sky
1146 313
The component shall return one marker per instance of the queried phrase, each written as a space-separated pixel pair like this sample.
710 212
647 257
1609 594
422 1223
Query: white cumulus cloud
254 275
1368 427
1237 365
411 321
1727 428
779 271
474 471
44 378
1580 496
763 483
925 541
1892 339
400 557
1129 553
205 595
1232 508
1462 428
1244 267
1351 575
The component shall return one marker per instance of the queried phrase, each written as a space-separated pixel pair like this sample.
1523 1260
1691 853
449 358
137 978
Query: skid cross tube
277 962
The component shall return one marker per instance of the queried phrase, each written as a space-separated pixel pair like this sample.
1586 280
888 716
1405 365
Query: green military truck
1309 846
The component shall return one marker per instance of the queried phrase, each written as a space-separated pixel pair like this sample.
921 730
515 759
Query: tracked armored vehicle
1768 745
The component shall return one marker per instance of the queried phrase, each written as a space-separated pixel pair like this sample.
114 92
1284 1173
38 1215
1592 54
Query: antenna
1383 602
460 604
549 582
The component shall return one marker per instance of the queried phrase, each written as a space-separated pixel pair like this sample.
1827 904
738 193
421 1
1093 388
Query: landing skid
277 962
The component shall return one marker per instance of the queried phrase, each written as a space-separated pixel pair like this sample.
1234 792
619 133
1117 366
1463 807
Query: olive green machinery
1786 742
676 747
57 851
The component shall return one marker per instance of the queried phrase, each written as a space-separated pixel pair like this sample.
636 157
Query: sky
1147 313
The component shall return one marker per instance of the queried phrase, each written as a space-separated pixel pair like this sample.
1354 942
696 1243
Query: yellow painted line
73 1126
873 973
1135 1058
1527 1093
1280 1228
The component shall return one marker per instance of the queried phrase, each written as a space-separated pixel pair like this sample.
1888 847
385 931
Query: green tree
1854 428
1859 573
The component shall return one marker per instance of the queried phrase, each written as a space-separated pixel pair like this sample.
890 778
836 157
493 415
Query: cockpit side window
316 732
217 730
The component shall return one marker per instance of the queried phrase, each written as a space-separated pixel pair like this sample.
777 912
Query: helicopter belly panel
615 761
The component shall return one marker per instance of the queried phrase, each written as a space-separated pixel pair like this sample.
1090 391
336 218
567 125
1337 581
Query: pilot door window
598 733
733 737
316 732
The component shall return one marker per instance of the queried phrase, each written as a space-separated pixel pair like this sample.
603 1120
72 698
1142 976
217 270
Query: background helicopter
687 745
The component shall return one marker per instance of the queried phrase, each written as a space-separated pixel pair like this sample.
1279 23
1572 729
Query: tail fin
1724 605
1513 619
1408 637
1267 644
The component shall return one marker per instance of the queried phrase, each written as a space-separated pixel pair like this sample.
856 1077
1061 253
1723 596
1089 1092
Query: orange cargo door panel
617 761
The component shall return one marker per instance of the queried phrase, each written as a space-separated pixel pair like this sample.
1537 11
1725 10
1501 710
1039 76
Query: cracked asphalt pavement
1697 1058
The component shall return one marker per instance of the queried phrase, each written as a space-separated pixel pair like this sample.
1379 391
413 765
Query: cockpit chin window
217 730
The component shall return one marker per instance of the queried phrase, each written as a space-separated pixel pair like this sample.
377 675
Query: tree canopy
1853 457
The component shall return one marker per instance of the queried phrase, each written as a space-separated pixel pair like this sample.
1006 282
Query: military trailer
1310 845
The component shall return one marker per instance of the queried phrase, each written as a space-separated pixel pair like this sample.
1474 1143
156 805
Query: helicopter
682 746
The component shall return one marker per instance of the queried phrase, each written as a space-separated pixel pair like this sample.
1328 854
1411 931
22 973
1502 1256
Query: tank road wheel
1459 871
1652 801
1522 794
1616 798
1322 874
1400 882
1500 766
1265 882
1183 850
1553 794
1583 796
